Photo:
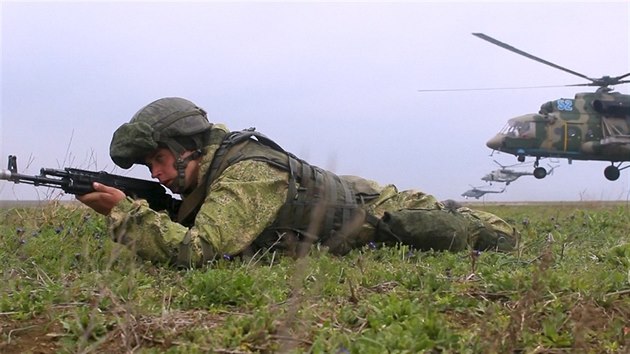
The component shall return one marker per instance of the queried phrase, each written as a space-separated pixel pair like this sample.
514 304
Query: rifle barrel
34 180
5 174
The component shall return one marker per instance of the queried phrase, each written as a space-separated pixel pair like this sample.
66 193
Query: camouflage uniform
244 202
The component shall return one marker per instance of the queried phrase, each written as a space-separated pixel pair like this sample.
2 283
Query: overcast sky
335 83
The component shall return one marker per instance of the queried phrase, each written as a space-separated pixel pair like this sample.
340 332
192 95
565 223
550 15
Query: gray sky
334 83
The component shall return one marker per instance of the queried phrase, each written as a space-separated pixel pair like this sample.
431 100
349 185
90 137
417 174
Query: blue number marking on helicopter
564 105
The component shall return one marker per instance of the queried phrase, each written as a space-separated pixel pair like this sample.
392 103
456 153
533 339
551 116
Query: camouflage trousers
419 220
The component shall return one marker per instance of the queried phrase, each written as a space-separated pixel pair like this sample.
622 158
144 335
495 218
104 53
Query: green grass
66 288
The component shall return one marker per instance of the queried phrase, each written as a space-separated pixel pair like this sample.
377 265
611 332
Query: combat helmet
171 122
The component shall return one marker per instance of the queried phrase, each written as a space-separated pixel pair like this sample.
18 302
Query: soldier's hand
103 199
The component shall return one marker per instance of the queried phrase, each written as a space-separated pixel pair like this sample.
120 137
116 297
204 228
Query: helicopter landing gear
611 172
540 172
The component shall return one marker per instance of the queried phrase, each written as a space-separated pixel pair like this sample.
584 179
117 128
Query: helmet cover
164 121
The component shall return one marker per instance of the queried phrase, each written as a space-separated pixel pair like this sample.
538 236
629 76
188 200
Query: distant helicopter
504 175
507 175
477 193
590 126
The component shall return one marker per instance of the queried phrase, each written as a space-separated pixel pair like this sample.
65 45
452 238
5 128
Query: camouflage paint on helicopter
591 126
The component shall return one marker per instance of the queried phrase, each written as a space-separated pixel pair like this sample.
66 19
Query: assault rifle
79 182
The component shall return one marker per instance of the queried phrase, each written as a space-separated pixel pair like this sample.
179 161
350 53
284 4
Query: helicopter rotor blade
589 84
597 82
498 88
604 82
527 55
497 162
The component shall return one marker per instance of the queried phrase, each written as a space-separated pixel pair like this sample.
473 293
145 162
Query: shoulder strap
227 154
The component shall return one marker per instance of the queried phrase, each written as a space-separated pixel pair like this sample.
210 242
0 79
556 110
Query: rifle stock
79 182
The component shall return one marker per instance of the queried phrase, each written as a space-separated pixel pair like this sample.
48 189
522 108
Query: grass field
66 288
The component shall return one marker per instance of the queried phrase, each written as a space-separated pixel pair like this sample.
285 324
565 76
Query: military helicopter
504 175
477 193
590 126
507 175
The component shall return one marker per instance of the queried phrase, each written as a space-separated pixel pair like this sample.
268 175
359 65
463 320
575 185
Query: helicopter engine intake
611 108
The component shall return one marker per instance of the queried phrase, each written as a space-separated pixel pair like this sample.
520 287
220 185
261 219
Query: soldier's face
161 163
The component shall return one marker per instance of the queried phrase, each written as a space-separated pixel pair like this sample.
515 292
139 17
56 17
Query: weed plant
66 288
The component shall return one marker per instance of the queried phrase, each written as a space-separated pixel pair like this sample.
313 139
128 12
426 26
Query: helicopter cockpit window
523 130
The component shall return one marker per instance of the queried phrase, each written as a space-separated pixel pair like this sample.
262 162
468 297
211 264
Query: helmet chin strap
180 166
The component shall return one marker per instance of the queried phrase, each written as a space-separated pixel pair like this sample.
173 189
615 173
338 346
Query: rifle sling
191 204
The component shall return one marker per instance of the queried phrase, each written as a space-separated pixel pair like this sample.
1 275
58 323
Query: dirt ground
36 336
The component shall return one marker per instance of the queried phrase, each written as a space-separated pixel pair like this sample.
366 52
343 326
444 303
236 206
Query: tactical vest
318 202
